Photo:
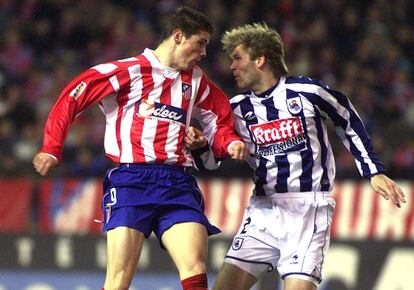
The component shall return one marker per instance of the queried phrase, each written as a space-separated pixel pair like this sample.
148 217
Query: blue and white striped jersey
285 131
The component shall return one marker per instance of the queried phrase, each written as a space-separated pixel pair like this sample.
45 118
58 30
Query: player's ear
177 35
260 61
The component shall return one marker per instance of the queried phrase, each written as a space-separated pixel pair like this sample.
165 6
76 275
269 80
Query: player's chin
240 84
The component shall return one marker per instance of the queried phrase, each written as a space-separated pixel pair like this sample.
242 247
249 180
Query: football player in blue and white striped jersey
282 119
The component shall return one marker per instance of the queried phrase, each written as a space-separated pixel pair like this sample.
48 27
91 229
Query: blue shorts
152 198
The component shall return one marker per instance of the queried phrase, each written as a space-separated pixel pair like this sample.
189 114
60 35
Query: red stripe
409 224
186 77
223 208
372 233
122 99
244 199
356 207
204 186
138 122
162 126
337 196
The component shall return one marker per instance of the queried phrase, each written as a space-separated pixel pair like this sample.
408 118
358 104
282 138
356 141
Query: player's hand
238 151
195 139
43 162
387 187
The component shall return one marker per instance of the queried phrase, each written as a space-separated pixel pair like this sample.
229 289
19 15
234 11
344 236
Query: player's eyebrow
234 54
204 40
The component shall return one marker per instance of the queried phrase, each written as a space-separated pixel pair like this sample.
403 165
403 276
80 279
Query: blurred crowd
365 49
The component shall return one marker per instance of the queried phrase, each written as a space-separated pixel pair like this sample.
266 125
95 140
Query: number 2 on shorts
248 221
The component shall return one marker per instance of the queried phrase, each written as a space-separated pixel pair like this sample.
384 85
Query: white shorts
288 231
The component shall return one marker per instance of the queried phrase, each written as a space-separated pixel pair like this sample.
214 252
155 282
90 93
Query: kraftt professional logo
276 131
279 136
162 111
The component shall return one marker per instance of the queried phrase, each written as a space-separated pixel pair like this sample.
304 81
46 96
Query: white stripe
237 99
105 68
128 113
110 109
295 168
174 129
195 86
114 82
126 125
208 120
150 125
344 113
172 141
128 59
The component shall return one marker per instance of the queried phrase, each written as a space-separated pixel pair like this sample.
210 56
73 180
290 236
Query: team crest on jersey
162 112
294 105
237 243
187 91
78 90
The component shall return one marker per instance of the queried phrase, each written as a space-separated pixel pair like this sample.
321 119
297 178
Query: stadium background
48 239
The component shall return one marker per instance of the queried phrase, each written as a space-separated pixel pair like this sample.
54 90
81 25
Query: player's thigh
232 277
291 283
187 245
124 247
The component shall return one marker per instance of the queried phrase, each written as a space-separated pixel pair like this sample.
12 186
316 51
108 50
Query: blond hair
258 39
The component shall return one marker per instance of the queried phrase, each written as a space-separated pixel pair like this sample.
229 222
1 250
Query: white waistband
290 195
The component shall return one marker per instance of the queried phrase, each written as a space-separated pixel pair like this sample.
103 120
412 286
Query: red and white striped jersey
148 107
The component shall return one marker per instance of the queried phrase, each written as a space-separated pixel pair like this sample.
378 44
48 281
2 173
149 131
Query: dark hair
188 20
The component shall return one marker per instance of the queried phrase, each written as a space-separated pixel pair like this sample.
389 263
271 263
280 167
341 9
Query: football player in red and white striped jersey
149 101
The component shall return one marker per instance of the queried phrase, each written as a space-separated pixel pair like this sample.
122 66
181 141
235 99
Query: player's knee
191 268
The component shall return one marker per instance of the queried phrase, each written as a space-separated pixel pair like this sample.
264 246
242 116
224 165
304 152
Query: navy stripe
307 160
283 173
358 126
305 80
246 106
271 112
325 182
261 173
343 123
307 166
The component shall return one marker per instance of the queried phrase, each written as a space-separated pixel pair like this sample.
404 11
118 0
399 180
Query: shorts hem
303 276
233 260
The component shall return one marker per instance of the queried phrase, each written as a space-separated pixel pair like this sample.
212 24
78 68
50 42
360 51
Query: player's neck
266 81
164 53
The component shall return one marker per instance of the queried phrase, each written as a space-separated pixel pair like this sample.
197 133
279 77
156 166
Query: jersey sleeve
350 129
214 113
205 160
89 87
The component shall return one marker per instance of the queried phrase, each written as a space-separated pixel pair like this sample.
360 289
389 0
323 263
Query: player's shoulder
117 65
237 99
305 81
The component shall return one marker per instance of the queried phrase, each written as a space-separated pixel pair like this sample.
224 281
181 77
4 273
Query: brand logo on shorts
294 259
237 243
